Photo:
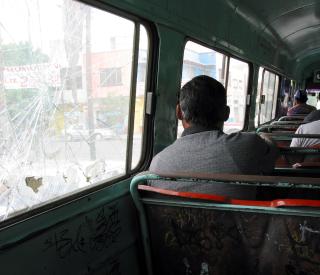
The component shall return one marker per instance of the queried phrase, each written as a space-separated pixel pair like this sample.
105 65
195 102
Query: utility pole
89 85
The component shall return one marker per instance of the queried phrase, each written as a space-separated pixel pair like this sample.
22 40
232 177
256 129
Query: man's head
300 96
203 102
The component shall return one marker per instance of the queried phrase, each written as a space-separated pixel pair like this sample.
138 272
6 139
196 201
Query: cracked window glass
65 83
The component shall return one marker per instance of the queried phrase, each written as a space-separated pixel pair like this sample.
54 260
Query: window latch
248 100
149 103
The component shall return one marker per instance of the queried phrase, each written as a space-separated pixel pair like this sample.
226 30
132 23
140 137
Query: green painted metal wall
97 234
168 85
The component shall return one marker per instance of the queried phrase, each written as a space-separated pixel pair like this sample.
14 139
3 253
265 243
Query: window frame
147 137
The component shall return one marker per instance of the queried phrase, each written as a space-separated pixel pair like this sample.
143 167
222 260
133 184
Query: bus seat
307 164
291 155
191 233
289 122
292 118
306 160
282 139
276 128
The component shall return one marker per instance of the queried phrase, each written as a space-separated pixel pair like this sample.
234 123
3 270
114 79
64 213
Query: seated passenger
205 148
300 107
283 106
312 126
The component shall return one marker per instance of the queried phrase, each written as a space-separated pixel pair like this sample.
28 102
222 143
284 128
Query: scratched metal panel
201 241
104 241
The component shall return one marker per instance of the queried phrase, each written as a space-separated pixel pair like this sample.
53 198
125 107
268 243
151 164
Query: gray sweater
215 152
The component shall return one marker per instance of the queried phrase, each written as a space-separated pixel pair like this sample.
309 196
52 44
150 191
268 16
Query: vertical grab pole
142 217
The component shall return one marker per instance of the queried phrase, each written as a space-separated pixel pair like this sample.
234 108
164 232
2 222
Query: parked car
79 132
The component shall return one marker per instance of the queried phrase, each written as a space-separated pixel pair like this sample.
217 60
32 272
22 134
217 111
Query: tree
21 54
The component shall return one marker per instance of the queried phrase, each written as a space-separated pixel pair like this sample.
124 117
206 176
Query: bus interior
88 94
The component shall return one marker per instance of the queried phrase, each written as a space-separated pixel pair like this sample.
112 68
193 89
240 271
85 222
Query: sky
41 23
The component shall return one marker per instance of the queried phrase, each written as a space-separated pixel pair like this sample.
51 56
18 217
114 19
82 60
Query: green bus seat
192 233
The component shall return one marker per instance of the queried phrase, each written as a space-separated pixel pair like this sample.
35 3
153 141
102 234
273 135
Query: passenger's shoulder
160 159
247 142
312 107
292 108
310 127
244 136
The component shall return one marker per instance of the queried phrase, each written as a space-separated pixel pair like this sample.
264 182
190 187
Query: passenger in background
205 148
311 126
283 103
299 105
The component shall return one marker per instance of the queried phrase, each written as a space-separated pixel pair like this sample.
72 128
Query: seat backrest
289 122
277 128
191 233
292 155
292 118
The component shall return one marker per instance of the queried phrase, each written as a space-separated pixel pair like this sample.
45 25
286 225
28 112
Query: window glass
274 103
65 86
236 95
258 98
265 112
70 80
268 84
284 96
200 60
110 77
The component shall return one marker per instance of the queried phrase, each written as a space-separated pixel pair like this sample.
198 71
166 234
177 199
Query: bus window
65 99
268 86
200 60
285 91
236 95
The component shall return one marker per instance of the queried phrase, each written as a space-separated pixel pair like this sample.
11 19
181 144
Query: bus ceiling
293 26
283 34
